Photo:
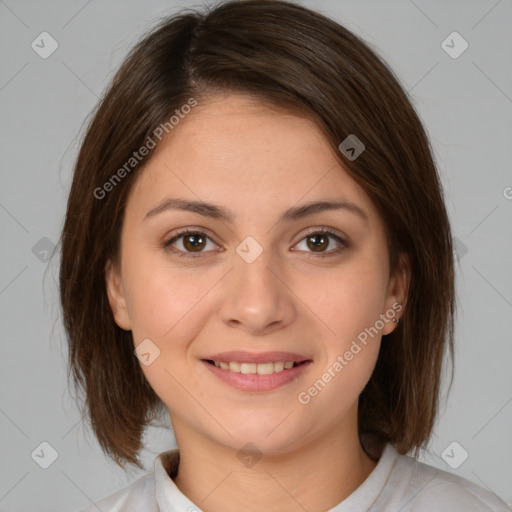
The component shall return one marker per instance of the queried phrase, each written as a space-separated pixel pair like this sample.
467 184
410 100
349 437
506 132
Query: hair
289 57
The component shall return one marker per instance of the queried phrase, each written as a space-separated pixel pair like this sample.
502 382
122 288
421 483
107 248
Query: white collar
171 499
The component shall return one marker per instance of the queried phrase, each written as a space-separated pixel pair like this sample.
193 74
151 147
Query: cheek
349 303
350 307
168 309
161 298
348 299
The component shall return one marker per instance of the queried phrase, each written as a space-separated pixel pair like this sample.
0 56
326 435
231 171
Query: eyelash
322 231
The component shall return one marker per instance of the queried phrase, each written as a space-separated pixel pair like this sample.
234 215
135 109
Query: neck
315 476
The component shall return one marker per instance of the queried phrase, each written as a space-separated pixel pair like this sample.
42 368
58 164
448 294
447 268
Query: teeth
234 367
279 366
265 368
254 368
248 367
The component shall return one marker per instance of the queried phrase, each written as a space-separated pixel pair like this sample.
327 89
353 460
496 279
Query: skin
257 162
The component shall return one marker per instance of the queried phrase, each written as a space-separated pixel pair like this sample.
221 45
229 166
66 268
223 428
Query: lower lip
255 382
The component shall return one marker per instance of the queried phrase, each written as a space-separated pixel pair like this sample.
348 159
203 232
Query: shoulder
424 488
138 496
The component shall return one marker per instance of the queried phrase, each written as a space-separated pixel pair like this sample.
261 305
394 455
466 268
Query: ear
397 292
117 296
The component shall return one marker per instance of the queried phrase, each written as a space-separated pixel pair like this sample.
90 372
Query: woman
256 243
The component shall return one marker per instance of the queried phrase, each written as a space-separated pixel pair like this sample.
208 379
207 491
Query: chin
272 438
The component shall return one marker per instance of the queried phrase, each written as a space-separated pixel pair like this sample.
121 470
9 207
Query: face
261 279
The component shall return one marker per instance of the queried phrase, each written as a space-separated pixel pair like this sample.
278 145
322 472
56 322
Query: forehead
237 151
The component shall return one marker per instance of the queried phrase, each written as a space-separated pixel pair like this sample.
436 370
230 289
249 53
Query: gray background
466 105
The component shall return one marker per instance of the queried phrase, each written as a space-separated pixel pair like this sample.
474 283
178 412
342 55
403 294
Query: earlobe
116 296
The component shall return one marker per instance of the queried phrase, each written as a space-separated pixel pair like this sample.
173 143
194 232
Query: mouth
266 368
253 372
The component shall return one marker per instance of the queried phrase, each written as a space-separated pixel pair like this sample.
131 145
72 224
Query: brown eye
192 244
318 242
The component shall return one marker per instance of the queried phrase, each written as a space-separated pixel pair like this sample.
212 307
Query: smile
255 368
257 376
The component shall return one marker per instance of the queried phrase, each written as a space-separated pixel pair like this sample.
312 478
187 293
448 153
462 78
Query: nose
256 297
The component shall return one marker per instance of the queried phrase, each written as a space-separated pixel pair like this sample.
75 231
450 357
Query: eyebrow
219 213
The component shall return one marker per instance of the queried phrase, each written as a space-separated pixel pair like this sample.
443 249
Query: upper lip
241 356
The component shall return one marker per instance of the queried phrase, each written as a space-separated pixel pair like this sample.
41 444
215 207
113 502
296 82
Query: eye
319 240
193 242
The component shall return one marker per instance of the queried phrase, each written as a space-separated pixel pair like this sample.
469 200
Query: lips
251 363
255 368
263 371
252 357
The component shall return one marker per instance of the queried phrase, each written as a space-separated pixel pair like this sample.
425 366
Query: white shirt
398 483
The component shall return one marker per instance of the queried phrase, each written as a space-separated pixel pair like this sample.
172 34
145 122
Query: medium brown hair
290 57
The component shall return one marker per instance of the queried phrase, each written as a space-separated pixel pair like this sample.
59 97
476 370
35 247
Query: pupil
320 245
197 240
